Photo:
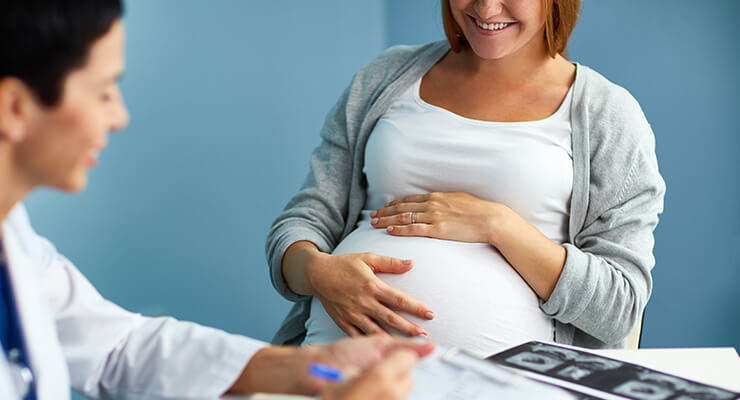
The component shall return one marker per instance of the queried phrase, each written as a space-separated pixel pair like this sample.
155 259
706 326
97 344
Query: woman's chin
489 52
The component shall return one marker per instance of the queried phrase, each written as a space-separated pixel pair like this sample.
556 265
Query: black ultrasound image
605 374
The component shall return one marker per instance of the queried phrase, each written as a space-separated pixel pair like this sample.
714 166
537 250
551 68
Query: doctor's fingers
399 363
392 378
389 379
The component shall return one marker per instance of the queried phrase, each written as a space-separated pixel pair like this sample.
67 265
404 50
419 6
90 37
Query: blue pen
326 372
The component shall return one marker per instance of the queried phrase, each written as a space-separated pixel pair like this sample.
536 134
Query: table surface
717 366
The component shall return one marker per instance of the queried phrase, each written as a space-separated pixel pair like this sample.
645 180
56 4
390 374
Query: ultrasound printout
604 374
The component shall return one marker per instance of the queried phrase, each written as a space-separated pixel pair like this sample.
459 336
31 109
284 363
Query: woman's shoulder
398 58
610 111
599 92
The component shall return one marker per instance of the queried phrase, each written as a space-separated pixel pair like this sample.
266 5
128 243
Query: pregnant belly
480 302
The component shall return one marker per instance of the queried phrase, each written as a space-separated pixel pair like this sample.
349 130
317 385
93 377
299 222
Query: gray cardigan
617 196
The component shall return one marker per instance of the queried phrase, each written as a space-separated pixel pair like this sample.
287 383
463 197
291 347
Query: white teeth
491 27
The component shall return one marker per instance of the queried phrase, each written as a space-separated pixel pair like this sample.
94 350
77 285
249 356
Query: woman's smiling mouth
490 28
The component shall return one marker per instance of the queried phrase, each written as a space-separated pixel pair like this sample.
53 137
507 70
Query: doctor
59 99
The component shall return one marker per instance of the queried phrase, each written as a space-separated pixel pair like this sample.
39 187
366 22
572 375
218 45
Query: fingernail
390 229
373 213
407 262
429 315
421 338
424 335
374 221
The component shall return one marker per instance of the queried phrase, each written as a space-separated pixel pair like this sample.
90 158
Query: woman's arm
349 290
600 283
533 255
318 212
606 280
322 210
327 204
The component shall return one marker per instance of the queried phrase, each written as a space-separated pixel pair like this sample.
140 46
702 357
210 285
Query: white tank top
480 302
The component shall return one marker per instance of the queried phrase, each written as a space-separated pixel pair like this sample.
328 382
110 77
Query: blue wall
227 99
685 76
680 60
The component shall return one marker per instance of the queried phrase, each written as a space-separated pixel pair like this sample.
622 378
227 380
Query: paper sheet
449 375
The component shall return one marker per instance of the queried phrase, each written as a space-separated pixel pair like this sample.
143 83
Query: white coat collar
37 321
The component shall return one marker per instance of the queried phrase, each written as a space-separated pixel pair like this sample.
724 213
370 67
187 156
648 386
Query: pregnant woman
481 191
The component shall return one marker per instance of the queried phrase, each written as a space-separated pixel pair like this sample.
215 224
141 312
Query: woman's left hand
465 218
460 217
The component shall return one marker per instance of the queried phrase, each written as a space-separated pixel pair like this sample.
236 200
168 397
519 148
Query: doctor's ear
17 106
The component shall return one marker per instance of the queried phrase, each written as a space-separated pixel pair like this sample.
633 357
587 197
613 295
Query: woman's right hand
349 290
357 300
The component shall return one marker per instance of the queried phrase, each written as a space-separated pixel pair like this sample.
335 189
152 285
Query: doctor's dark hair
42 41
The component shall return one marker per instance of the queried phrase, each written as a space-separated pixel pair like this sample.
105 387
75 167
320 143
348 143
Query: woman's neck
528 65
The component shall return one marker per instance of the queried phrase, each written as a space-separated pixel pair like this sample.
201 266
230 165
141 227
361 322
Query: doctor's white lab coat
77 338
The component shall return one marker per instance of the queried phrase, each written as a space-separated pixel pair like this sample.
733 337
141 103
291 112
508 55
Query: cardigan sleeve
606 281
318 211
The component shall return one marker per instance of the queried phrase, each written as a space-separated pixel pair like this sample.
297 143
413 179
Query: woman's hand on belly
357 300
461 217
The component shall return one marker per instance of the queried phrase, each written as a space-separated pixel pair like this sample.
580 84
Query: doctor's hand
357 300
355 355
285 369
460 217
390 379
